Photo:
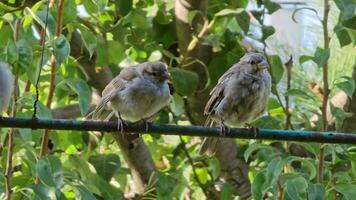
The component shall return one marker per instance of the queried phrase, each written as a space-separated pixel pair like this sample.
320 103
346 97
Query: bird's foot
253 129
224 130
145 123
120 125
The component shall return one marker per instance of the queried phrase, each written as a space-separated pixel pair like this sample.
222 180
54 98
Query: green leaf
43 111
25 54
298 93
321 56
305 163
273 170
89 39
125 6
276 68
255 147
80 87
49 170
92 180
316 192
339 114
267 31
40 18
348 86
271 6
305 58
70 13
102 53
184 82
243 19
40 192
347 8
226 12
258 188
116 52
269 122
90 6
12 55
61 49
342 35
177 105
227 192
105 164
296 188
350 23
85 193
347 190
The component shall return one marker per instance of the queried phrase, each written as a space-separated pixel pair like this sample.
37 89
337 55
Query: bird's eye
252 62
154 73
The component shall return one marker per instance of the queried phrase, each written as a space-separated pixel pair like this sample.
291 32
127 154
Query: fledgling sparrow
137 93
6 86
239 97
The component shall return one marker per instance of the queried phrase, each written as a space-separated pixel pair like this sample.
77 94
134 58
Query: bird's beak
263 65
165 76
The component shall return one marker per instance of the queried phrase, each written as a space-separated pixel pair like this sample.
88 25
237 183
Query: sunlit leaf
225 12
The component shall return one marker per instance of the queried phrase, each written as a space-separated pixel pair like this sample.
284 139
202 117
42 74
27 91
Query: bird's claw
146 124
224 130
253 129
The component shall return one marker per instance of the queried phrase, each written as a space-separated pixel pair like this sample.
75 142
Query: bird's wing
110 91
217 93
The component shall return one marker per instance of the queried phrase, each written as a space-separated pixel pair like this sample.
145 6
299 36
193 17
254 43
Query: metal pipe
166 129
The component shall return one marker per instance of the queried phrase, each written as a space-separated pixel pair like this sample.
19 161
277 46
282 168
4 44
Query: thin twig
8 171
288 65
288 124
191 162
52 86
326 89
10 136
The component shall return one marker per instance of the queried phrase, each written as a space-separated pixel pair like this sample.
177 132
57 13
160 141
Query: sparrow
6 86
239 97
136 94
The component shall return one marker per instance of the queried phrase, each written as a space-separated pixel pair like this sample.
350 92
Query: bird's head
156 71
255 62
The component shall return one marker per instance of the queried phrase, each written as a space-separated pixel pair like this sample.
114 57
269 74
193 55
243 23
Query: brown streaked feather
217 93
126 74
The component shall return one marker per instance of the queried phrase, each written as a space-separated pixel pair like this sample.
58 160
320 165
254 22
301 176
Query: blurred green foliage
124 32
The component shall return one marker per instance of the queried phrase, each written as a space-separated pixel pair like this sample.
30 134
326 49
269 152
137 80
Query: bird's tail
209 144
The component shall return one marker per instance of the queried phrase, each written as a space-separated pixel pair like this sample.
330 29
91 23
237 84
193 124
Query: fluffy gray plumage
137 93
6 86
239 97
